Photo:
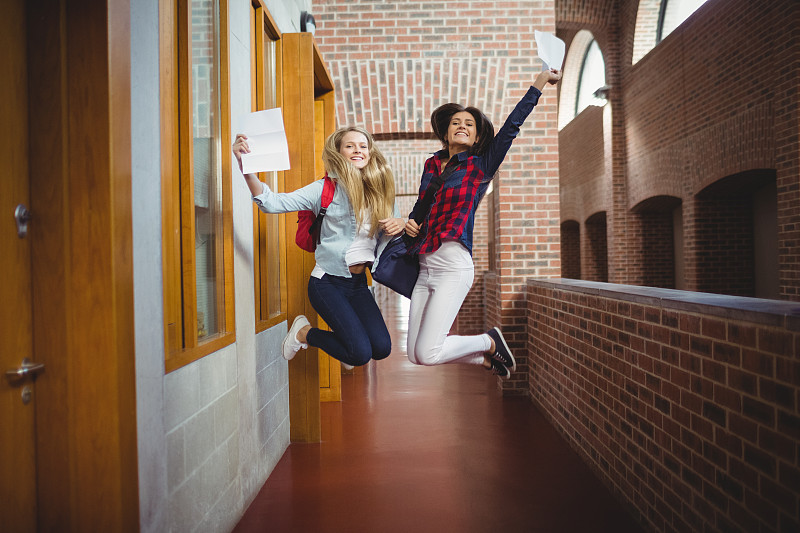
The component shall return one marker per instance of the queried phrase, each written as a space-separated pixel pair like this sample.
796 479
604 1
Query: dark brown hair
440 121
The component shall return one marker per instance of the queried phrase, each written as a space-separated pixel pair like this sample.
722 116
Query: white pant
445 277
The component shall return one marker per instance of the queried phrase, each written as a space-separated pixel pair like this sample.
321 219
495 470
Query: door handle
27 368
22 216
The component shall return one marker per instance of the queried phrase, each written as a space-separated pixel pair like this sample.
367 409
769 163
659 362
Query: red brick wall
692 131
724 244
684 116
582 167
594 249
394 62
689 409
657 246
570 250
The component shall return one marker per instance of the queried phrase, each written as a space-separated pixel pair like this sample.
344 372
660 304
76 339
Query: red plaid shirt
452 214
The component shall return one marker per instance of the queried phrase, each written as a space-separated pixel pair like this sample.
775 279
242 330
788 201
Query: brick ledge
760 311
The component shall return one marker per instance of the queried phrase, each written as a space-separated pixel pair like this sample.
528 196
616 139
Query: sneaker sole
504 375
503 340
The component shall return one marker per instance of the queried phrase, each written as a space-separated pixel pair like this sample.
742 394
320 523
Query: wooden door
68 455
17 396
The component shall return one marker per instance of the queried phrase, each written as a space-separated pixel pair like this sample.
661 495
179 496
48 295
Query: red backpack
307 236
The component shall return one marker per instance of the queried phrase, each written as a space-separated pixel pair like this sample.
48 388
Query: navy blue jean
358 331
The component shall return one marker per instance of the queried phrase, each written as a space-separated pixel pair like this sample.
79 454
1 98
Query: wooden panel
170 177
298 112
256 101
186 180
227 305
330 370
17 438
305 77
100 292
49 265
82 268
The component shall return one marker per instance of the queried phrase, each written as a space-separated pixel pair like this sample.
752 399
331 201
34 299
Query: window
673 13
592 77
196 199
269 230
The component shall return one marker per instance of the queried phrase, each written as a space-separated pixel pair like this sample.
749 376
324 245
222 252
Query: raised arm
240 147
547 76
511 127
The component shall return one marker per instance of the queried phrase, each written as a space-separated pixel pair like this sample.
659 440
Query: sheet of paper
267 141
551 49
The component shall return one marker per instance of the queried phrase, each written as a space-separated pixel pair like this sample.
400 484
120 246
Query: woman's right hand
551 77
412 228
240 146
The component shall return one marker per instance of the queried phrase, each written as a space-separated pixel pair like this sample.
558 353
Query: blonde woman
356 226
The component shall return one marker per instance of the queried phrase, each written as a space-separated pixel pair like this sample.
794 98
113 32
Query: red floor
434 449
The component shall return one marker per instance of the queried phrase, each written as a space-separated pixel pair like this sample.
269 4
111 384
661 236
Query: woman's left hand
392 226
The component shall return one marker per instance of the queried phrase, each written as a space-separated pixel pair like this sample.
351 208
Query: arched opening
736 240
595 264
660 222
673 13
655 19
571 249
592 77
584 69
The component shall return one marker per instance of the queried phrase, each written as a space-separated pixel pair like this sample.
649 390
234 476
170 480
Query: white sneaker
346 366
290 343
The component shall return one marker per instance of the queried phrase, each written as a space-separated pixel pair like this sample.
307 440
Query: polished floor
432 449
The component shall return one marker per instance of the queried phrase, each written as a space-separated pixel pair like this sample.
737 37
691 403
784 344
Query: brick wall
724 243
658 254
582 166
594 249
683 116
394 62
570 250
686 405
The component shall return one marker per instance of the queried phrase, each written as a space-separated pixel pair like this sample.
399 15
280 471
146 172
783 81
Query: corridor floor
431 449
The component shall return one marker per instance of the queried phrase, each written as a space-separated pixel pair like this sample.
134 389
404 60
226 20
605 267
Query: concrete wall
210 432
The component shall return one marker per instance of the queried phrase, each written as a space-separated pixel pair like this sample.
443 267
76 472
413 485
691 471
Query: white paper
267 141
551 50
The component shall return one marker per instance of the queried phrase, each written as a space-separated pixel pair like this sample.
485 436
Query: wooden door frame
82 265
305 79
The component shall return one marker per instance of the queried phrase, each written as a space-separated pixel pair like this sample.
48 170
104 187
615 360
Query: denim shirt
338 227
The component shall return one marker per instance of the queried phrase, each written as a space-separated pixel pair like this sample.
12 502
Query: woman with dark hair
470 156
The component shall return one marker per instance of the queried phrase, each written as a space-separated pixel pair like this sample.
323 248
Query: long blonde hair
371 189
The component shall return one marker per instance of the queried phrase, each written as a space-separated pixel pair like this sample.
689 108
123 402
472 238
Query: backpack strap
328 189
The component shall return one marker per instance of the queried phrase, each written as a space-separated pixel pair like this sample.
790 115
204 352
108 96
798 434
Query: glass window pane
675 12
207 171
272 254
593 76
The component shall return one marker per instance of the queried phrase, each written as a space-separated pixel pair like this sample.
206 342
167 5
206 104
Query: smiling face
462 133
355 148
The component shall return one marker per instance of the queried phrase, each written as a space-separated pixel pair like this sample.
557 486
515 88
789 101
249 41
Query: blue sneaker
502 353
499 369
